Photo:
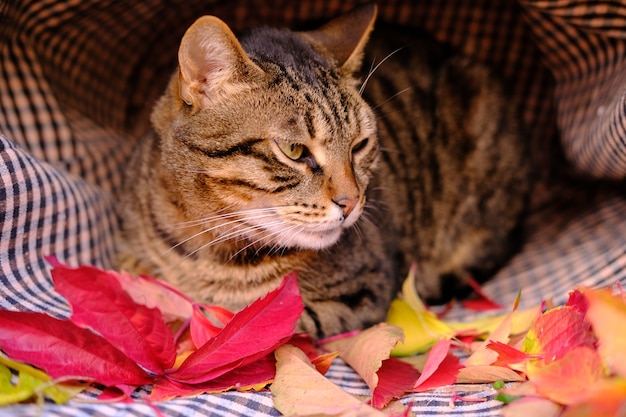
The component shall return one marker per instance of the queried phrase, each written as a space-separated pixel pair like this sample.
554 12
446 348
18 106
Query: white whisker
204 220
210 229
392 97
372 71
266 237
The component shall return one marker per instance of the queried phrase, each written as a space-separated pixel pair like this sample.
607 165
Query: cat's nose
347 205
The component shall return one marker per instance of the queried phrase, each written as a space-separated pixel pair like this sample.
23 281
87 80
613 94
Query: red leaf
322 362
252 376
220 314
304 342
507 354
62 349
201 328
578 302
560 330
99 302
252 333
441 368
153 292
482 302
395 378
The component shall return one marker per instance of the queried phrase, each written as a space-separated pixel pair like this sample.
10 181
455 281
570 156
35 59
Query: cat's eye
360 146
292 150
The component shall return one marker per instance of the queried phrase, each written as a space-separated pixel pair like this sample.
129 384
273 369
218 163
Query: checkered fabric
77 80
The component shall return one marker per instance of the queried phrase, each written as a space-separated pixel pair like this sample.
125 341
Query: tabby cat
274 152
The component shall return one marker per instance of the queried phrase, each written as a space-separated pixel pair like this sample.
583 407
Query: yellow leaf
421 329
31 383
520 322
409 293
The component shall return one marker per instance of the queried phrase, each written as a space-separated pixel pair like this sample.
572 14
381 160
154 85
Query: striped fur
432 170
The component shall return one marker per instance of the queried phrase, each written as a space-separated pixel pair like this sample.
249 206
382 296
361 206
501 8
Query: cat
276 152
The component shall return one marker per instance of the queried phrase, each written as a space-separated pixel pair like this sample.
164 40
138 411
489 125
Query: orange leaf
508 355
566 379
607 398
607 314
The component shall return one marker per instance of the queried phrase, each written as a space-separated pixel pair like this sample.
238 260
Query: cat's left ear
344 37
210 59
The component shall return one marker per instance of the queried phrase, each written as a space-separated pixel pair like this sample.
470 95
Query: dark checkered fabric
78 78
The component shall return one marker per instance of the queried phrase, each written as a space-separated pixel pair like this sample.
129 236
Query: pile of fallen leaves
566 360
133 335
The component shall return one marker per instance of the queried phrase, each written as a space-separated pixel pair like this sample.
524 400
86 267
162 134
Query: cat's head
270 131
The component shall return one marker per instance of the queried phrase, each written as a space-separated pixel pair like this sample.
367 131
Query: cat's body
264 161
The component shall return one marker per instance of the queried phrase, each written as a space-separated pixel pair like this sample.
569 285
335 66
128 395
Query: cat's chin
311 240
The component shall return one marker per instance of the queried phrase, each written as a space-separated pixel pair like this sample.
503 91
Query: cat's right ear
344 37
210 58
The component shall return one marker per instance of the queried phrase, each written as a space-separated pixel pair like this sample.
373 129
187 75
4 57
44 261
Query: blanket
78 78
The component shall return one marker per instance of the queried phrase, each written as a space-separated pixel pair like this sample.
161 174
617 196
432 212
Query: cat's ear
344 37
209 58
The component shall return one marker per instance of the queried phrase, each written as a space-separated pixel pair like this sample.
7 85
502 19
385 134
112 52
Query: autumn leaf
409 292
251 377
321 361
567 378
201 328
368 353
605 398
422 328
251 334
441 368
607 314
478 374
155 293
557 331
508 355
484 356
482 302
114 340
62 349
99 302
395 378
578 301
484 325
299 389
31 383
206 322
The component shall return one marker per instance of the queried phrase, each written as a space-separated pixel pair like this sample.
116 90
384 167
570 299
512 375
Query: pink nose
347 205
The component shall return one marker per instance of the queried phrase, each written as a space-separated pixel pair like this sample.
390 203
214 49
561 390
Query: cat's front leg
349 286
